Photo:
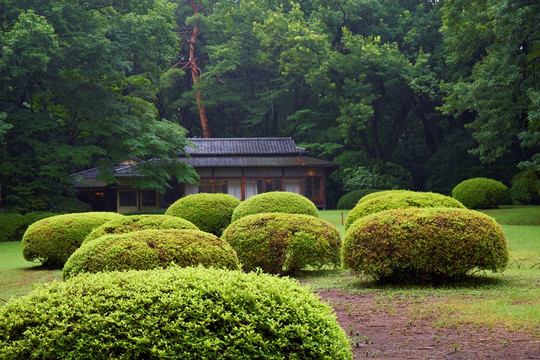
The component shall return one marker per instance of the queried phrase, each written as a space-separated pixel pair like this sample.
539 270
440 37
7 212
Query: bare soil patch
387 330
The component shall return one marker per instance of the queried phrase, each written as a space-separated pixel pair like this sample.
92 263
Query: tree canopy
423 94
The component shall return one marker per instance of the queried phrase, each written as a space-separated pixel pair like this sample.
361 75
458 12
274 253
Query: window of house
267 185
148 198
213 186
127 198
313 188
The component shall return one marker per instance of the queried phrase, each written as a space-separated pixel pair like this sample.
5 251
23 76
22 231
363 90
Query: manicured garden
501 308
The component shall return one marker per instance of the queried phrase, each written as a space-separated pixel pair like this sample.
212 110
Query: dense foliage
481 193
526 188
191 313
14 225
284 243
209 212
350 199
275 202
425 244
79 84
403 94
149 249
399 200
51 241
132 223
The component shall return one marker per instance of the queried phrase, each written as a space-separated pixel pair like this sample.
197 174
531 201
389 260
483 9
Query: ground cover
487 316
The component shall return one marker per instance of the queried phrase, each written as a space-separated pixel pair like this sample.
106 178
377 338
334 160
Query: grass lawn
509 300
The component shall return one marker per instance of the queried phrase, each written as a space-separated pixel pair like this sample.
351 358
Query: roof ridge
243 139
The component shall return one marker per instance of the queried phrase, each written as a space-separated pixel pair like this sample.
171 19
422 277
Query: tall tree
497 49
79 80
193 63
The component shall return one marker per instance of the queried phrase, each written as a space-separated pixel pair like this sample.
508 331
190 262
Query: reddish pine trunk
196 73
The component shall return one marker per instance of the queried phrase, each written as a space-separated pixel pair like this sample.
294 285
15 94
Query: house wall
244 183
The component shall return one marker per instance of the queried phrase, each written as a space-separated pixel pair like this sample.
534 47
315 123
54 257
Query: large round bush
139 222
275 202
525 187
52 240
424 244
280 243
481 193
209 212
350 199
377 194
173 313
400 200
149 249
13 225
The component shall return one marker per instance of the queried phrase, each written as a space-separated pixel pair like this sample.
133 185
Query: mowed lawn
510 300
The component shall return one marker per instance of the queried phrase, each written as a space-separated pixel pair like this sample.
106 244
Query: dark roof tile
244 146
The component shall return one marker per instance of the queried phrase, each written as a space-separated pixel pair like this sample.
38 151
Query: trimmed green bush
283 243
52 240
71 205
526 188
149 249
275 202
481 193
13 225
350 199
209 212
173 313
132 223
399 200
377 194
424 244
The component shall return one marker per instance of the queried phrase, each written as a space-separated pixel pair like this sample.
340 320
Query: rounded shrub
209 212
424 244
400 200
481 193
350 199
377 194
275 202
52 240
187 313
526 188
12 226
149 249
284 243
132 223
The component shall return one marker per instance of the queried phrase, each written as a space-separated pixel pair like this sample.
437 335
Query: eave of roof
244 146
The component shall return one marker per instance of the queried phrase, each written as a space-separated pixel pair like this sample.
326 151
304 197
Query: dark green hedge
149 249
399 199
526 188
424 244
14 225
52 240
209 212
173 313
281 243
132 223
275 202
481 193
350 199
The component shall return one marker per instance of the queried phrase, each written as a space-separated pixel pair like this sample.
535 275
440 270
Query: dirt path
387 331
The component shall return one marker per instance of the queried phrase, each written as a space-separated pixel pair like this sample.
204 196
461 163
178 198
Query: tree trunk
196 73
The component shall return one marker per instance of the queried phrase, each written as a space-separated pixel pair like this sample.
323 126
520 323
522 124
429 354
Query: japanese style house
241 167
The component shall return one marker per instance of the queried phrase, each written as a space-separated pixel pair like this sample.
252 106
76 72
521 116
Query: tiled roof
252 161
244 146
224 152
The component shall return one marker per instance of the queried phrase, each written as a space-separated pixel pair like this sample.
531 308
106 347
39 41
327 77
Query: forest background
403 94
